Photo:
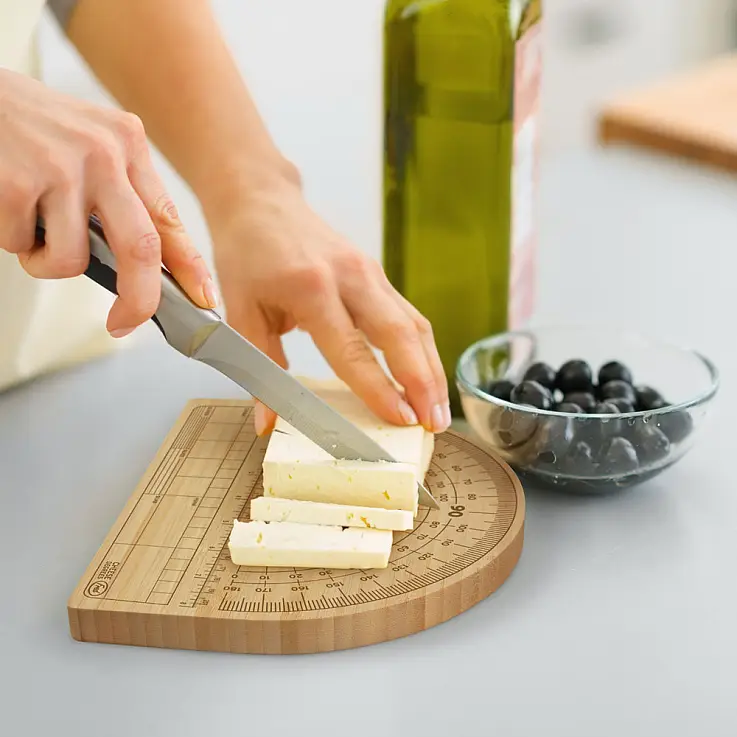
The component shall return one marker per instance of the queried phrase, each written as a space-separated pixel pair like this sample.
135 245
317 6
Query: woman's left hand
281 267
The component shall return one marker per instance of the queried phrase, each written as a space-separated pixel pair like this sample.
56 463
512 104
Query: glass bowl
586 452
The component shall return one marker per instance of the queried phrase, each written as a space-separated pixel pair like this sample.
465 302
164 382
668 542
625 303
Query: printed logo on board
96 589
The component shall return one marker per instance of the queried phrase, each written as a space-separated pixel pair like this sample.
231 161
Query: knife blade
201 334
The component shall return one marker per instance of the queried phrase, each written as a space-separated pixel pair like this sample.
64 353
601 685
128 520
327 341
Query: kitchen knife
201 334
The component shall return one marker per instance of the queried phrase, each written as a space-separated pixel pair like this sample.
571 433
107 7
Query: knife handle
183 323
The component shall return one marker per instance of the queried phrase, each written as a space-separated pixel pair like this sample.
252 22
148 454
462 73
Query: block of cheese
295 468
274 509
294 545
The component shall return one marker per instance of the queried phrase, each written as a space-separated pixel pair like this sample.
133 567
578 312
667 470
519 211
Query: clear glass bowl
576 452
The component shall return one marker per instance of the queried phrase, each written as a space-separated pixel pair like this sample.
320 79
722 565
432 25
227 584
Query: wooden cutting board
163 576
692 115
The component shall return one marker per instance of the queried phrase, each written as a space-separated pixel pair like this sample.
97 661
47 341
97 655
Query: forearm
167 62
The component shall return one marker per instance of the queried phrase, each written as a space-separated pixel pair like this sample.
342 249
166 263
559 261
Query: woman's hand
281 267
62 159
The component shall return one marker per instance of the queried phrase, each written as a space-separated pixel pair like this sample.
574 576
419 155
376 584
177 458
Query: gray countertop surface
620 618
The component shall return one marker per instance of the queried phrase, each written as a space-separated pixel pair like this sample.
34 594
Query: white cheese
319 513
293 545
295 468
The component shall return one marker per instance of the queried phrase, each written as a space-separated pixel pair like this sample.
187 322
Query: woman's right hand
62 159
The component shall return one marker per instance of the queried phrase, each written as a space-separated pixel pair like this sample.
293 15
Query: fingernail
211 294
439 418
121 332
448 418
408 414
259 419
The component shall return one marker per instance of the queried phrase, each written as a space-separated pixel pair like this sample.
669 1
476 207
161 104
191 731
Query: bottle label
525 175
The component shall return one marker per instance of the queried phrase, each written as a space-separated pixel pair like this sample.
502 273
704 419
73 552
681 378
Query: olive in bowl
586 410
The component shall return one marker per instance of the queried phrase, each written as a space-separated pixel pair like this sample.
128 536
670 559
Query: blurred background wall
319 62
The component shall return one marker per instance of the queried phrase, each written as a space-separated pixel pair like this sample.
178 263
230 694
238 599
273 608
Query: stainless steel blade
235 357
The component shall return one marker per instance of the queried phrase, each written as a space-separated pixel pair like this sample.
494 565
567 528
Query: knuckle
142 306
424 384
424 326
71 265
145 308
166 211
376 270
404 331
17 192
311 278
62 173
355 350
146 249
189 258
130 128
102 151
354 264
16 245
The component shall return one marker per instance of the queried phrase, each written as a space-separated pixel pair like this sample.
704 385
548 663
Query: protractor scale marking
165 572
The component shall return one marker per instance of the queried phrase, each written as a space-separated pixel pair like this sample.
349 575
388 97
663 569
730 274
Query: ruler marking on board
159 482
201 538
210 566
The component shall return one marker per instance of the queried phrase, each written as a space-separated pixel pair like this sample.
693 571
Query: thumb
254 326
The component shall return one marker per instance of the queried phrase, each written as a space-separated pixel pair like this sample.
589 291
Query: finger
264 419
65 250
178 253
346 350
427 338
17 216
253 325
391 329
136 245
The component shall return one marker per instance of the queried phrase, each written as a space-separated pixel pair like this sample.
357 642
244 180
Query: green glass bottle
461 88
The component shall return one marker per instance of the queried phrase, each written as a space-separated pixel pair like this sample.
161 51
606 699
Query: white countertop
618 620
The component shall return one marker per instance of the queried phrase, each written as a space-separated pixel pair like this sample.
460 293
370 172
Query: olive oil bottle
461 88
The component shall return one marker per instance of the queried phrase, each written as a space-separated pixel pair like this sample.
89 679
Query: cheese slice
293 545
319 513
295 468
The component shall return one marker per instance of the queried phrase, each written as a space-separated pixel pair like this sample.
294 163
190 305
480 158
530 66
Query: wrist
244 178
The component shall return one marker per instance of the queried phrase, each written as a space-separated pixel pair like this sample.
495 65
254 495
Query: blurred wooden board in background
692 115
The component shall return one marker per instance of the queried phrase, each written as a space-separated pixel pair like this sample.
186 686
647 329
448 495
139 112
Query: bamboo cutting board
692 115
163 576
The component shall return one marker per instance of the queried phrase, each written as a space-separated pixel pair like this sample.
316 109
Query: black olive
614 371
556 436
514 428
580 460
606 408
617 388
622 404
542 373
652 443
647 397
618 456
500 388
585 400
574 376
676 425
532 393
600 430
569 407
